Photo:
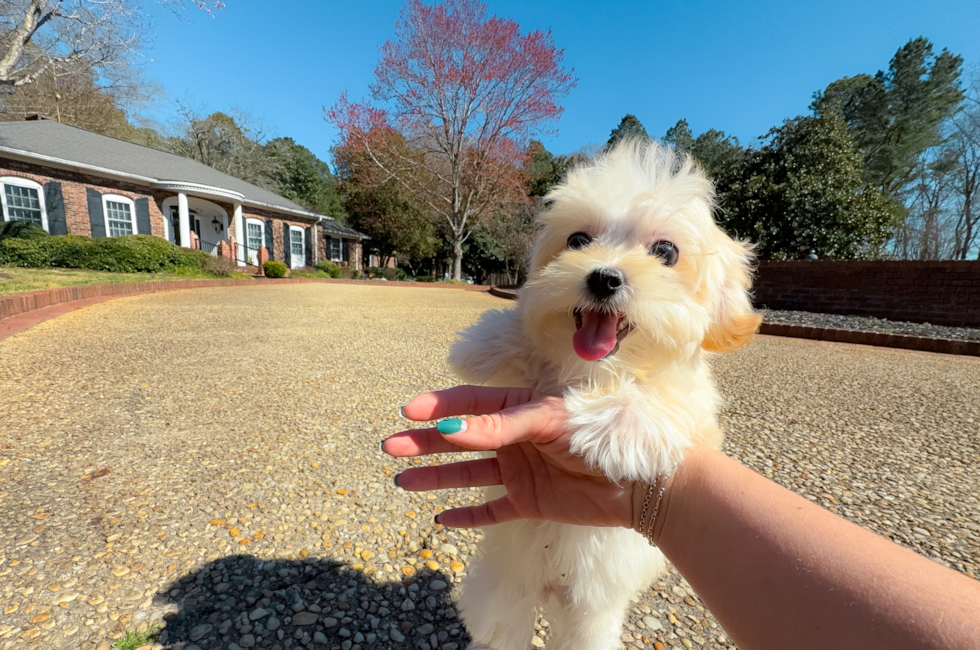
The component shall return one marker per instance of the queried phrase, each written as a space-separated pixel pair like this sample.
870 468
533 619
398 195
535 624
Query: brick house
73 181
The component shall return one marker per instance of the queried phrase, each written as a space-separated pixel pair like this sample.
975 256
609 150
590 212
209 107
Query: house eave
61 163
195 189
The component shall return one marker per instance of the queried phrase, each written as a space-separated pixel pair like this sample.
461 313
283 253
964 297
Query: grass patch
310 274
133 640
17 280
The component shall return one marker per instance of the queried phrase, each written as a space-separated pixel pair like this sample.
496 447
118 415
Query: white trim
261 224
197 189
118 198
28 183
292 257
240 234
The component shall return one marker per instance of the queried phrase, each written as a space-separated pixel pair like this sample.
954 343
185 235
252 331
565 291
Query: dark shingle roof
340 229
71 145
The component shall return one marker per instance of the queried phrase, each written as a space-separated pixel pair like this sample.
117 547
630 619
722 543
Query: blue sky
738 67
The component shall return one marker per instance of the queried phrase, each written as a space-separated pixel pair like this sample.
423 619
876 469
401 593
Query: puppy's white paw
629 435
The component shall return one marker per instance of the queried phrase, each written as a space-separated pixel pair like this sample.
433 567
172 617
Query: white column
240 235
314 247
185 220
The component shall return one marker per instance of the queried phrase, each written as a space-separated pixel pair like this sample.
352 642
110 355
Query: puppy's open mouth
598 333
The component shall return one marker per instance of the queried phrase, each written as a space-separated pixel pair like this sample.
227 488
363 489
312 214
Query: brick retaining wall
942 293
22 303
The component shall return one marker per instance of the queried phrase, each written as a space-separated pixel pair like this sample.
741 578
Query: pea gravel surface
871 324
205 463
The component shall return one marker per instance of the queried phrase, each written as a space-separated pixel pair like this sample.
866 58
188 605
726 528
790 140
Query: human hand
529 432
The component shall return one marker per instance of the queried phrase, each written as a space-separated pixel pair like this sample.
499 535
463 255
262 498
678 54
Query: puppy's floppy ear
725 292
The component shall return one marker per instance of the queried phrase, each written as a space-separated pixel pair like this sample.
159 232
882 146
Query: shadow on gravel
244 602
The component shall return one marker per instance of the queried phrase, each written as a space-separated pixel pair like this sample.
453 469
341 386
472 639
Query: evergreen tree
629 127
679 136
720 155
896 115
802 193
302 177
545 170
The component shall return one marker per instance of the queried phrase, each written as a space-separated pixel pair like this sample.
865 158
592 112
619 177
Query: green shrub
452 282
221 267
424 278
329 268
129 254
186 258
274 269
21 230
388 274
66 251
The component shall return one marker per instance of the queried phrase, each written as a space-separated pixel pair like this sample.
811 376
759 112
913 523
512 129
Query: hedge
129 254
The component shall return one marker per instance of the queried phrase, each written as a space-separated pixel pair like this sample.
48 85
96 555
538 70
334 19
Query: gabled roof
51 142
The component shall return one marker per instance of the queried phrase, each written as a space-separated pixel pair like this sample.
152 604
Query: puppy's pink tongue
597 336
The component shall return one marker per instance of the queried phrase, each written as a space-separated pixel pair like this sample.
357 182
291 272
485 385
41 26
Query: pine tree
629 127
894 116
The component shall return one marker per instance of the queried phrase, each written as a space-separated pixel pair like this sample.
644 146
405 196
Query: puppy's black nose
603 283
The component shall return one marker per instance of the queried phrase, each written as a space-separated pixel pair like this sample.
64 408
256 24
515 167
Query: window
119 215
23 200
335 249
296 249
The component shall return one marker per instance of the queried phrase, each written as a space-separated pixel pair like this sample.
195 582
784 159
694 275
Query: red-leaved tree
457 97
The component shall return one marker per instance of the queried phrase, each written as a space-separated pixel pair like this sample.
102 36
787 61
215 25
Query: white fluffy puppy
632 286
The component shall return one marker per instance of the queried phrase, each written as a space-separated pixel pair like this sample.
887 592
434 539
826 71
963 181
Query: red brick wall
279 250
355 261
73 186
943 293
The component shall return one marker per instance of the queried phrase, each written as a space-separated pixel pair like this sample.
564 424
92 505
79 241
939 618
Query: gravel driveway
209 458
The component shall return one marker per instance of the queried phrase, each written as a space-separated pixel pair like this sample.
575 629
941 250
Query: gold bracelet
647 523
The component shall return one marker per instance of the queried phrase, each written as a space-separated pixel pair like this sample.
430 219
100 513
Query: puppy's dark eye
666 251
579 240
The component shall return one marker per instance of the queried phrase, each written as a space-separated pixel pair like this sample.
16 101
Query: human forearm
780 572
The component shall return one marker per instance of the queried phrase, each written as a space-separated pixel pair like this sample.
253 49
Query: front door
173 232
255 238
297 250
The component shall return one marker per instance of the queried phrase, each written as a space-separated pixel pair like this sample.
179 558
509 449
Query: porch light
218 226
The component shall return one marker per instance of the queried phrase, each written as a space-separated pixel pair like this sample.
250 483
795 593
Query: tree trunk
457 260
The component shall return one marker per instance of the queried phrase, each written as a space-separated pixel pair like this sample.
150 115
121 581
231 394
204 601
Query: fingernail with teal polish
451 425
381 445
401 411
436 519
395 480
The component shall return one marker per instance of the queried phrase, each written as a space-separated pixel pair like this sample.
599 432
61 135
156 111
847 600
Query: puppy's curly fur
635 410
